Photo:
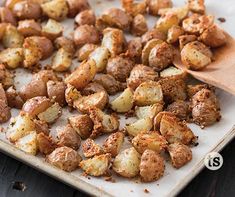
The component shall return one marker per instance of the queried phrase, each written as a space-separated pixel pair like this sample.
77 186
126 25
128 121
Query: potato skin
68 137
6 16
84 52
151 166
119 68
13 98
5 112
66 43
29 28
27 10
139 25
41 127
56 91
45 76
86 17
86 34
90 148
180 108
185 39
155 5
174 33
45 144
152 34
6 77
180 154
134 49
76 6
92 88
64 158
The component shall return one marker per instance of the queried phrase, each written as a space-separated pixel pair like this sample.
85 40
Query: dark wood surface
206 184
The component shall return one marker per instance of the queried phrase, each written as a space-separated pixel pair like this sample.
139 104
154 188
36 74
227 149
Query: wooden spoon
221 72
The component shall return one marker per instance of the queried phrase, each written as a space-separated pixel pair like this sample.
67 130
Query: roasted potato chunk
139 74
62 60
52 29
197 6
86 34
12 38
51 114
139 25
161 56
133 8
153 34
28 143
213 37
36 105
174 33
20 126
27 10
6 16
45 144
127 162
180 154
99 100
103 123
119 67
29 28
5 112
181 12
41 127
185 39
205 108
96 166
84 52
140 125
82 124
165 22
76 6
148 111
110 84
82 75
148 93
155 5
196 56
55 9
152 166
113 40
180 108
45 76
100 55
66 43
193 89
149 140
134 49
12 57
173 72
6 77
86 17
67 136
13 98
173 89
173 129
92 88
71 94
124 102
64 158
113 143
90 148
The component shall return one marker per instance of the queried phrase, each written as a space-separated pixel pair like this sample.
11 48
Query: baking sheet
211 138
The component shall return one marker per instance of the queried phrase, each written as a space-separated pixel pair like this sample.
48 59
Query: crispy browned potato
113 143
173 89
55 9
196 56
119 67
76 6
134 49
197 6
82 124
139 74
180 154
71 94
6 16
45 144
185 39
29 28
193 89
155 5
115 17
6 77
213 36
56 91
45 76
5 112
41 127
13 98
109 83
92 88
52 29
180 108
153 34
114 41
84 52
181 12
134 8
174 33
33 89
10 3
90 148
161 56
27 10
86 17
166 21
67 136
36 105
205 108
86 34
12 57
151 140
139 25
66 43
3 27
62 60
64 158
99 100
173 129
82 75
152 166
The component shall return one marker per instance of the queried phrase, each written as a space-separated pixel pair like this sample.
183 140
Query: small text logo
213 161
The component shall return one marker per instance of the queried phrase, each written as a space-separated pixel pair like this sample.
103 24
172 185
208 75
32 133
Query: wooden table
206 184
